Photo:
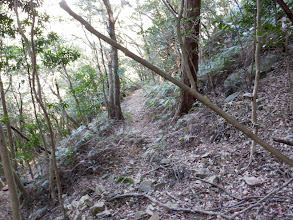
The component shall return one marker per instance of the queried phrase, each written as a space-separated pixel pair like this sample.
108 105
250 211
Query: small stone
203 173
214 179
86 200
100 189
245 193
155 216
146 185
139 215
75 204
165 161
150 209
97 208
252 181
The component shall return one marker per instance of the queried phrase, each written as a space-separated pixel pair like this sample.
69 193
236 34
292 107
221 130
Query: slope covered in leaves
194 168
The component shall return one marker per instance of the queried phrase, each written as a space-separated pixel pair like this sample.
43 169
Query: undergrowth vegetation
161 99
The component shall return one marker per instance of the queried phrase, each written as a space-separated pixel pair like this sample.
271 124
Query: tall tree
191 30
114 108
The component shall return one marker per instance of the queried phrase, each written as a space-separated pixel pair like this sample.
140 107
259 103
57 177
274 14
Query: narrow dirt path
140 118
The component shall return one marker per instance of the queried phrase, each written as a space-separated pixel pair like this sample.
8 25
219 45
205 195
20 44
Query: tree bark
114 65
7 123
193 92
257 73
9 177
191 27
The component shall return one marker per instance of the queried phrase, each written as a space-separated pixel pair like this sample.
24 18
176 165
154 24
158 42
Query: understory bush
161 98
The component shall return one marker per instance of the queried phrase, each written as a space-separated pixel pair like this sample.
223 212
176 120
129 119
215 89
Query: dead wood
283 140
170 208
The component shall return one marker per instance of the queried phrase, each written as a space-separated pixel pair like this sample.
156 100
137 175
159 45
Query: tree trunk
7 123
192 26
67 116
110 107
67 76
191 91
257 73
113 67
9 177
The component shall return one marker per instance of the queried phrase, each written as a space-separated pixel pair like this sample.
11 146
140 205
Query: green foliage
88 90
125 180
60 58
6 24
161 98
221 62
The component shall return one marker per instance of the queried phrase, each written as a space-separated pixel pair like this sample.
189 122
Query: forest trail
138 116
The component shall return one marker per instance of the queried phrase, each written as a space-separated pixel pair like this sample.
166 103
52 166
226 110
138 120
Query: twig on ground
262 200
284 140
146 173
219 187
172 197
152 199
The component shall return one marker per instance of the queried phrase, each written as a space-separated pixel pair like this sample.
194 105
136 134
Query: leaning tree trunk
192 27
9 177
114 61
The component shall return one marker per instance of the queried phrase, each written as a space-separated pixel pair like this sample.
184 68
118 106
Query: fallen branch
283 140
219 187
262 200
170 208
